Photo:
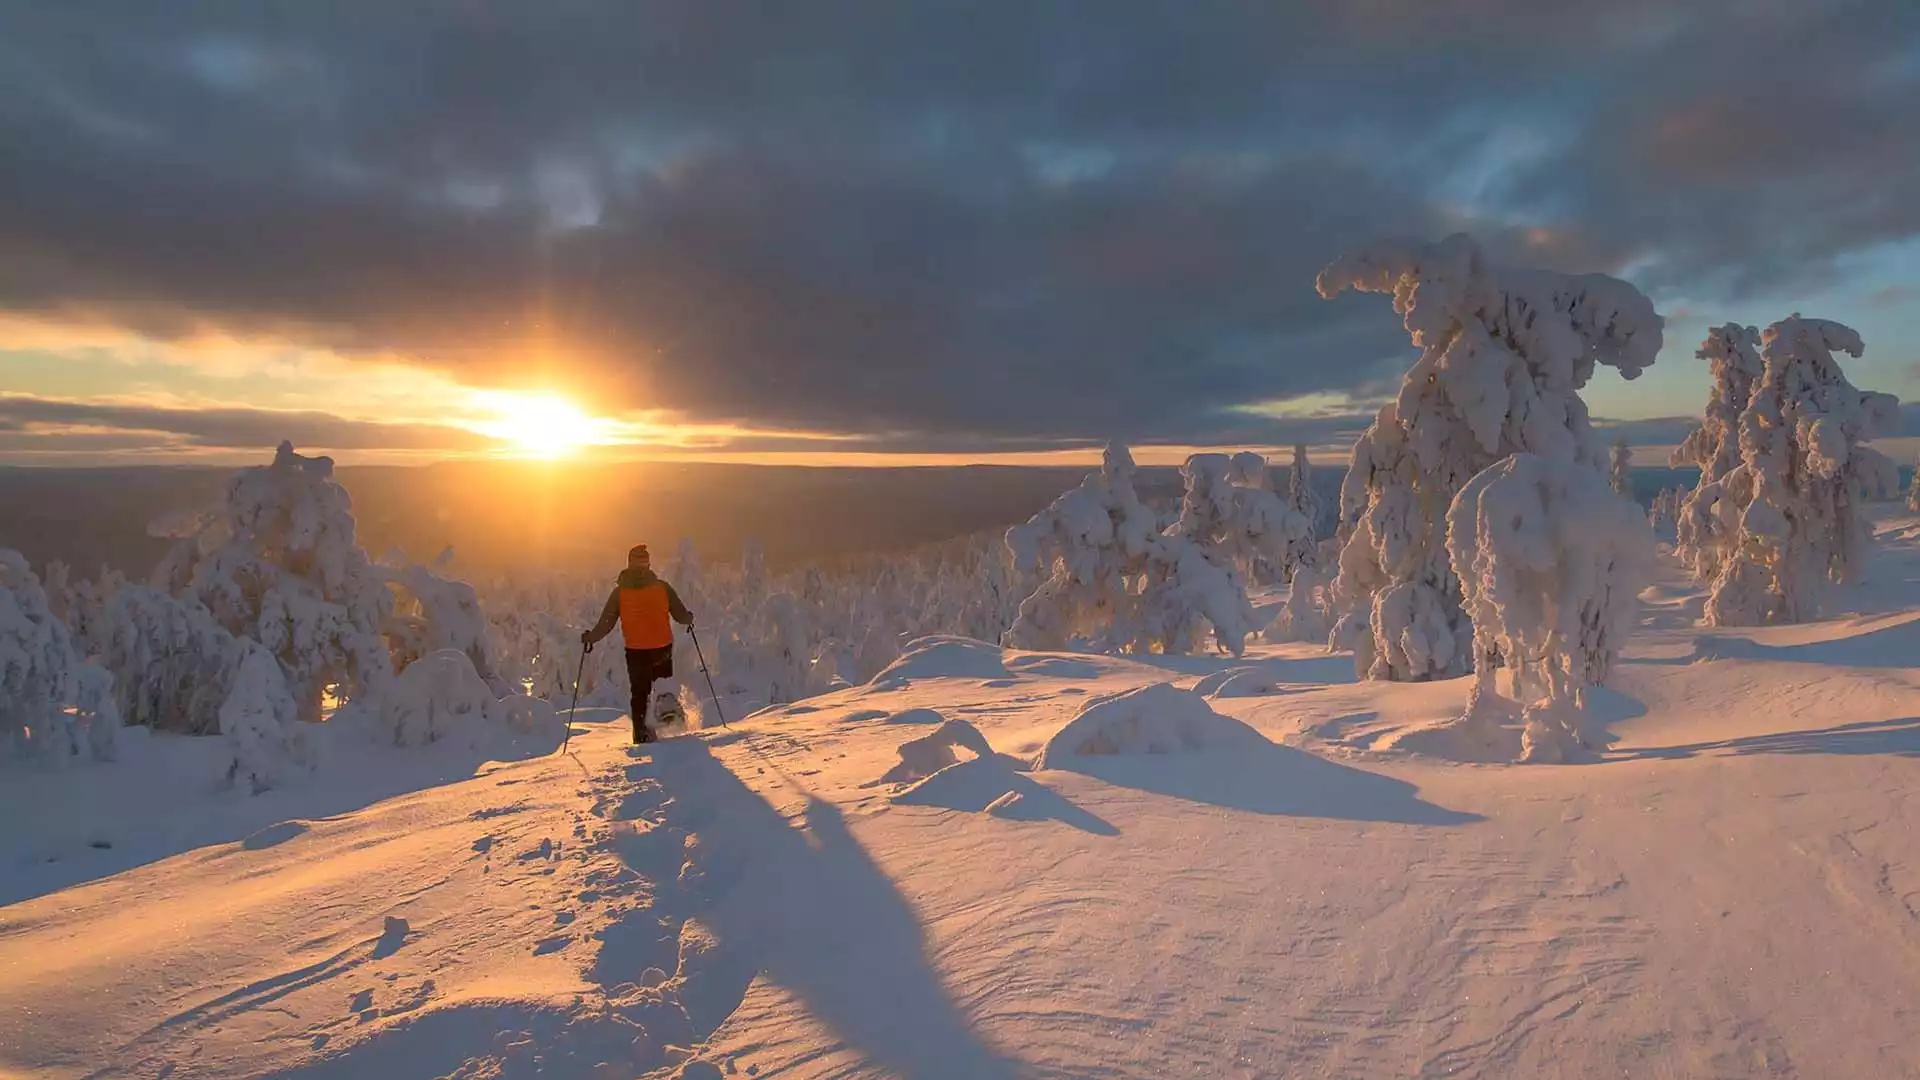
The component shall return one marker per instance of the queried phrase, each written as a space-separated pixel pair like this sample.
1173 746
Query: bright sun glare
544 425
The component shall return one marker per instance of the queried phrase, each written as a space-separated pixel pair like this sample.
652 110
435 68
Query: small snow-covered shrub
1550 562
928 754
437 697
1303 617
1504 354
260 721
1155 719
1787 514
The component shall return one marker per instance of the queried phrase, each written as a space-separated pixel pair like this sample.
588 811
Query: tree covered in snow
1732 353
1305 551
173 665
1550 562
51 704
266 740
1619 477
1504 354
1241 525
1787 513
1109 578
278 562
1913 490
432 613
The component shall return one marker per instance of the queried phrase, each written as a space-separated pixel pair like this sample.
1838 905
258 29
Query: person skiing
642 603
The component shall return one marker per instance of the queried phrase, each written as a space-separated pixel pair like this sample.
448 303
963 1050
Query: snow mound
438 697
943 656
1156 719
916 716
930 753
526 715
1237 682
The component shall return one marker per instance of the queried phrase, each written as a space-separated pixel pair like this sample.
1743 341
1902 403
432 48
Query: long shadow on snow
1899 737
1276 780
193 812
815 913
1893 645
975 786
1328 669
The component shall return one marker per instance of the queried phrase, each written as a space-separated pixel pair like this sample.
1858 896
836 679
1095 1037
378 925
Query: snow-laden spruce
1787 514
1110 580
1550 562
51 704
1504 354
278 562
173 665
1732 353
1305 550
266 740
1228 510
1913 490
1619 476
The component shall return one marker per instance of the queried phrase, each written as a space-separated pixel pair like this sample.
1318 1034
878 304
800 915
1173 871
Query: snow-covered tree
1913 490
1550 561
1305 502
1109 578
51 704
432 613
1787 511
1732 353
1619 478
261 724
1504 354
439 697
1240 526
278 562
173 665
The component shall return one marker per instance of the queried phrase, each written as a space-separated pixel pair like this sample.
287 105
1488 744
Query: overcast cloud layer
941 224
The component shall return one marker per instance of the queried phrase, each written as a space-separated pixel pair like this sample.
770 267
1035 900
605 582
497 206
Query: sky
894 231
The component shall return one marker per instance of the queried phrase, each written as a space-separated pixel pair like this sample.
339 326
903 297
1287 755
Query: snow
1504 355
1318 890
1153 719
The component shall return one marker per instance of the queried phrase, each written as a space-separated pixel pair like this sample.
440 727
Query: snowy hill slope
1732 891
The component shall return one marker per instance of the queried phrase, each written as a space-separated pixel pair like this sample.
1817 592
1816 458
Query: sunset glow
541 425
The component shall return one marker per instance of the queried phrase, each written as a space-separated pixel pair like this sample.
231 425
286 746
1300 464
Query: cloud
1018 225
88 426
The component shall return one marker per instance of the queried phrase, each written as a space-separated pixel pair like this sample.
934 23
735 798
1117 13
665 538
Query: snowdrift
1156 719
932 752
943 656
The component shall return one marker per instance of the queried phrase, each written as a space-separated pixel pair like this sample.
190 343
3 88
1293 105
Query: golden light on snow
541 425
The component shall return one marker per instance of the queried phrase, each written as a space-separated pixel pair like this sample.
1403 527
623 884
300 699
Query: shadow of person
811 910
1267 778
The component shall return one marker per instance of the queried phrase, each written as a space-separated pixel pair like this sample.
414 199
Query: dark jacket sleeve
677 609
608 616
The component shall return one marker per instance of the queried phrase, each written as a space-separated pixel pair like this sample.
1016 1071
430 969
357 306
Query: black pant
643 667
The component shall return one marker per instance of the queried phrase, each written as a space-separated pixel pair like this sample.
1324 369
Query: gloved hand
586 638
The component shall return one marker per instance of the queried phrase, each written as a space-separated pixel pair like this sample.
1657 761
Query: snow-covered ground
1306 880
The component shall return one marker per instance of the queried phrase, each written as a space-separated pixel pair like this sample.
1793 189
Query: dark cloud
935 222
81 425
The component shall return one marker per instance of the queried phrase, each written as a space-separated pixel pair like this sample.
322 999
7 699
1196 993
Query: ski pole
711 692
564 743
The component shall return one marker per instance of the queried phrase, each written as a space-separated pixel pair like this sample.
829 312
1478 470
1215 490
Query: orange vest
643 617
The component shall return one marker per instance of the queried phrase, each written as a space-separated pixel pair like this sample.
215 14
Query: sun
542 425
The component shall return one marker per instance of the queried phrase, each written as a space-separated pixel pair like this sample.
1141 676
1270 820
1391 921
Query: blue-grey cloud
933 221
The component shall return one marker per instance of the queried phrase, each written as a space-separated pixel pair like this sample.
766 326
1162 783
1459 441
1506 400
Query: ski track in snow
1731 892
